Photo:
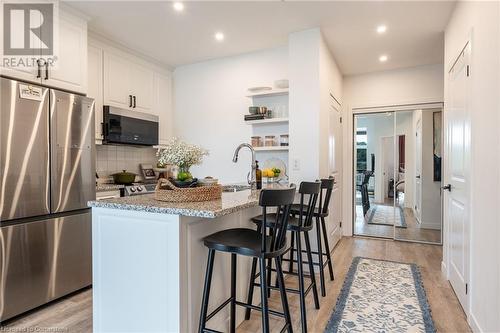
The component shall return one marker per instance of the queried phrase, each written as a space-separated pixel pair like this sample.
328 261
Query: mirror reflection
397 168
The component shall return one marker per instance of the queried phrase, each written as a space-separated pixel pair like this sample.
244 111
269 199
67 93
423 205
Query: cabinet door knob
46 70
134 102
129 101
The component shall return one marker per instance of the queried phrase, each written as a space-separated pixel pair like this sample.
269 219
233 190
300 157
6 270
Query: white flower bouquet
181 154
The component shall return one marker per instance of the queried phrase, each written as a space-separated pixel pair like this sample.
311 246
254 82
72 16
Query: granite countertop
108 187
230 202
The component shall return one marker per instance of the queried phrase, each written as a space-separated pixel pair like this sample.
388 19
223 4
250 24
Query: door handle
418 177
39 71
134 101
446 187
46 70
129 101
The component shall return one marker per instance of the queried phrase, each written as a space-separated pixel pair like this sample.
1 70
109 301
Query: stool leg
327 248
292 246
284 299
311 269
206 290
232 328
300 269
251 288
320 258
263 295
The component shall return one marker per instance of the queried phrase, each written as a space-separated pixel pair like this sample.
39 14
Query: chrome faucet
253 173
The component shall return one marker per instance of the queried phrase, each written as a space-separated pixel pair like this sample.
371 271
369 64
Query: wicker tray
166 191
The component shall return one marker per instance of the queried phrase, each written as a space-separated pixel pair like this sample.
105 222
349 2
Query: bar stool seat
293 222
295 210
241 241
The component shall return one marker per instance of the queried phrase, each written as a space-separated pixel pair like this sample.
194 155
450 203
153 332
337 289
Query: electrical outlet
296 164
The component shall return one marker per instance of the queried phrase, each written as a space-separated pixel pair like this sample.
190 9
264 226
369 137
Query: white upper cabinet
127 84
70 70
141 82
116 81
163 107
95 87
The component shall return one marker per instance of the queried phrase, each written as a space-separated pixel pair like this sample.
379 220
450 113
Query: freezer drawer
24 150
43 260
72 150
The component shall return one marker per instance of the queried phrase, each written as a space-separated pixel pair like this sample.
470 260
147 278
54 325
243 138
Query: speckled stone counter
230 203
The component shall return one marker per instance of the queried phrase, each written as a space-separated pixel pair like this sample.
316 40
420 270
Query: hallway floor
74 313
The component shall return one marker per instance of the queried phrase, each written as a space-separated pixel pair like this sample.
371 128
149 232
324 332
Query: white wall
481 21
313 76
209 104
416 85
395 87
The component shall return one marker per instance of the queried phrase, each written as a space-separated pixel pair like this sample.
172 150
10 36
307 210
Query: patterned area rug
386 215
381 296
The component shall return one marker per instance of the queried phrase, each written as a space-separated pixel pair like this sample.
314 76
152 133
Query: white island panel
135 271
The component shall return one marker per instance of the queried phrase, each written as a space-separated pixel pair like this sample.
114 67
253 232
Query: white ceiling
414 36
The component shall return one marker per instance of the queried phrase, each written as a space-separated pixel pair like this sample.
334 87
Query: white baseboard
444 270
474 325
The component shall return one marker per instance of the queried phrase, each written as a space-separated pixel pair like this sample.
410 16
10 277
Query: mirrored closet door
397 175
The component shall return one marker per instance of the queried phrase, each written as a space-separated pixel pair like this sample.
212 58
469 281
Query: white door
334 229
117 81
70 69
418 170
387 164
457 175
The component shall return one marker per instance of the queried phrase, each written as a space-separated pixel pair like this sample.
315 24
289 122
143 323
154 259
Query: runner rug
381 296
386 215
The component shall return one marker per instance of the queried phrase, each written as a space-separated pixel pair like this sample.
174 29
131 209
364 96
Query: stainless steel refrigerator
47 175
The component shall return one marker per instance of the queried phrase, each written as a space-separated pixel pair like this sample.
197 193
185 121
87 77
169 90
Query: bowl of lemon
272 175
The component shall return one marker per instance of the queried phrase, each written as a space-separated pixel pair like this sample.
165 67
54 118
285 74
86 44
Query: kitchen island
149 261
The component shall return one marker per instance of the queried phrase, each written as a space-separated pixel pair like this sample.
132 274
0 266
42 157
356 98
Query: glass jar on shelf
284 140
270 140
256 141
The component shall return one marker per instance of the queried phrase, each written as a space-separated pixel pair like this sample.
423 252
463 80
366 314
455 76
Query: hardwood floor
73 314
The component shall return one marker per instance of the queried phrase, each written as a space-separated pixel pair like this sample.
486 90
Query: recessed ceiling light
383 58
219 36
178 6
381 29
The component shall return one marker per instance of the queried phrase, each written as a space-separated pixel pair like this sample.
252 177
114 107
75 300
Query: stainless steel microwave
129 127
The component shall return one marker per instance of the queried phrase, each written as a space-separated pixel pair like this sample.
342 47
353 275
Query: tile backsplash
112 159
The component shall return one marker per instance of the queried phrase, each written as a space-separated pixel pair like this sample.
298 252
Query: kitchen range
47 168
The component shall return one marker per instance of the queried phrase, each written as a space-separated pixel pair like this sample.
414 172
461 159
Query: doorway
397 168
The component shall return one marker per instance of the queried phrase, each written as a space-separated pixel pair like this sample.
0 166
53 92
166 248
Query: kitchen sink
235 188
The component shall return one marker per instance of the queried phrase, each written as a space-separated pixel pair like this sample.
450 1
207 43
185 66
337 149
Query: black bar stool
302 224
320 213
256 244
